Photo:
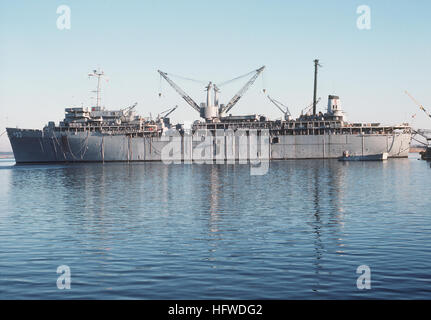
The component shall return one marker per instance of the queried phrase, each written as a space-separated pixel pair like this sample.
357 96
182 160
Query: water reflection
327 180
175 228
318 245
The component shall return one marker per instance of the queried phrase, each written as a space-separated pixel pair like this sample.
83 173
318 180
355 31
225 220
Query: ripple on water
155 231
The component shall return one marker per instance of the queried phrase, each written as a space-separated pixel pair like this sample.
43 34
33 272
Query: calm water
156 231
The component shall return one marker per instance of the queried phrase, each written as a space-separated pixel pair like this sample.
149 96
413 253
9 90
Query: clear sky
44 69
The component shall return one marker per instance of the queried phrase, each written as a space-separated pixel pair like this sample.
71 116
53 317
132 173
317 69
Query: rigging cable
188 79
237 78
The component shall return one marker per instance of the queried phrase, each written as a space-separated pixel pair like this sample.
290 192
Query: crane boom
166 113
426 112
310 105
279 105
170 111
241 92
184 95
419 105
128 109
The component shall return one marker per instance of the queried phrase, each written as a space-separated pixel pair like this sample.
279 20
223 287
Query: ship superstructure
97 134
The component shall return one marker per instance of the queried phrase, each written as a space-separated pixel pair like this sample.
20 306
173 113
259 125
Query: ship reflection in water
149 230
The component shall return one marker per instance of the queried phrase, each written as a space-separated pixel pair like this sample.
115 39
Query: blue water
155 231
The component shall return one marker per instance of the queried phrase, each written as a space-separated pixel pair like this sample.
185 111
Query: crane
184 95
309 106
211 108
240 93
418 104
167 113
425 154
128 109
283 108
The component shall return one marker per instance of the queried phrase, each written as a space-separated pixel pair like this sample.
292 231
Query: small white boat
370 157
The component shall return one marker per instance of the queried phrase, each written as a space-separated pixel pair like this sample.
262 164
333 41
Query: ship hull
426 155
37 146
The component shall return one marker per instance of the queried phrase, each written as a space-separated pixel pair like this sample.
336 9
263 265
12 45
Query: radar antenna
97 73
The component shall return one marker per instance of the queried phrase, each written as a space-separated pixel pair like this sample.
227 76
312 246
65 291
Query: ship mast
97 73
316 65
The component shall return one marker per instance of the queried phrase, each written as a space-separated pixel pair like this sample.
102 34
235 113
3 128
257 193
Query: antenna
97 73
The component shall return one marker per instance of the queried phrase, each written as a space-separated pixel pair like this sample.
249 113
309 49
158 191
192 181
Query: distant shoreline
416 149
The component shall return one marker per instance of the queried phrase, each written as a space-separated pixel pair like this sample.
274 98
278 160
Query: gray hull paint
36 146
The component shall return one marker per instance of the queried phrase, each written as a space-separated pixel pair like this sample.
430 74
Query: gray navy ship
95 134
